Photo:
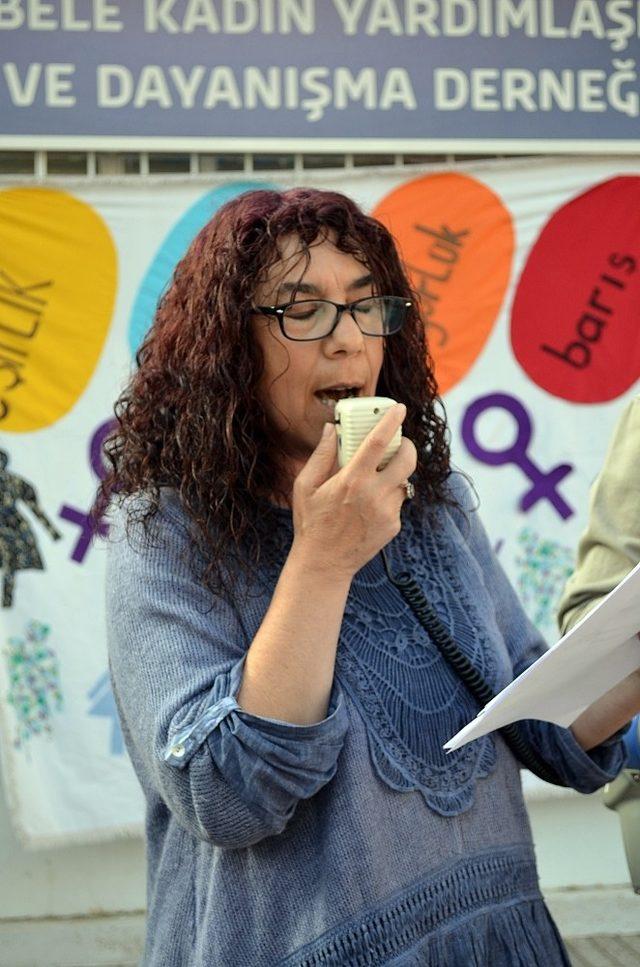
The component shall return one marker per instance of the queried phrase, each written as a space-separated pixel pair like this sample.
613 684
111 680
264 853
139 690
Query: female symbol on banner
544 484
87 524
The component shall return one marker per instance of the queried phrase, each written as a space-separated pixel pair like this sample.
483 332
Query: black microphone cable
426 615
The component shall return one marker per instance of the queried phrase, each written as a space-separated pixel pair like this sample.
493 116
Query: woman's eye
365 307
301 313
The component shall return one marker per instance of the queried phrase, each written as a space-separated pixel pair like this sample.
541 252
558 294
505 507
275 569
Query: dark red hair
190 417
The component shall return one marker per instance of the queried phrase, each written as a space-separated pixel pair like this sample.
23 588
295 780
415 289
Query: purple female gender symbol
544 484
96 458
86 522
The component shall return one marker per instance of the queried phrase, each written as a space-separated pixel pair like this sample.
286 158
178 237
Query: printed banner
291 74
529 278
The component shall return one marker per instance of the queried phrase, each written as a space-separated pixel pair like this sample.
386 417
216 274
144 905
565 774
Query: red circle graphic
575 322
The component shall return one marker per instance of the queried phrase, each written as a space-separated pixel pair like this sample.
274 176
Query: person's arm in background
610 546
608 550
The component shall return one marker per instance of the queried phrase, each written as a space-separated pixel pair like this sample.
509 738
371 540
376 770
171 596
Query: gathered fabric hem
520 933
459 893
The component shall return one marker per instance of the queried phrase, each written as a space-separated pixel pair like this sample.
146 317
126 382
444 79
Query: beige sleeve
610 546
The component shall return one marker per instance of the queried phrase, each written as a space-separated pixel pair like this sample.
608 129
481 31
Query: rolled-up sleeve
176 658
270 763
583 771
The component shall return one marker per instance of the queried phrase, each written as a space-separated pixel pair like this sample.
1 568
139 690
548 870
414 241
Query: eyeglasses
317 318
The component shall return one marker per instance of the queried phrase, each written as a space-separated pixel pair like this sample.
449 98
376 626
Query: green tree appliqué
543 568
34 682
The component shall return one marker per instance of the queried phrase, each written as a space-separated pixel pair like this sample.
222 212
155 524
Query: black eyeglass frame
340 307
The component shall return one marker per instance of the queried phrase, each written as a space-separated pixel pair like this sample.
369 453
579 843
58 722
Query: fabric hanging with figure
18 548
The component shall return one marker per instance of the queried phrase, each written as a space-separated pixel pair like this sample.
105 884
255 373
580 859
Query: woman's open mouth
330 396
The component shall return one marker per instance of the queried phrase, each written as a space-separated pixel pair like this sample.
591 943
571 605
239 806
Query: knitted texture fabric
355 840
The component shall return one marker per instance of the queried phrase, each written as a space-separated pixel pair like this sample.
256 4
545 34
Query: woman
283 709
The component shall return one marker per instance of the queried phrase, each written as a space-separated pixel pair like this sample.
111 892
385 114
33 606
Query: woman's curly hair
191 419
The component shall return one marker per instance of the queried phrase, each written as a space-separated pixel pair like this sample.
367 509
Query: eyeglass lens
313 319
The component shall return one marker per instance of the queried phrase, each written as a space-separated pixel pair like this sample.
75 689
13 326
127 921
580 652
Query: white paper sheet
596 654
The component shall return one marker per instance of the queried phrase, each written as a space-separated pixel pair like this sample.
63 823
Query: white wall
64 882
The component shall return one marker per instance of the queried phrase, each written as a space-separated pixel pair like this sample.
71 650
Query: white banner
529 275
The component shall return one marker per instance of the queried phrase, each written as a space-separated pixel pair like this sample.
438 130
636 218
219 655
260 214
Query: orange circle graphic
456 241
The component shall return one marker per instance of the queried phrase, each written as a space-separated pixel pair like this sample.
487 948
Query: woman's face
300 378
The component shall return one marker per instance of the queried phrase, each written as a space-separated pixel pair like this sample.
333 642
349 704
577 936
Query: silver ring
409 490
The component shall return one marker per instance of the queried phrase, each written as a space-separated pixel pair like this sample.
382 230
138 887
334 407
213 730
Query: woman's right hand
342 519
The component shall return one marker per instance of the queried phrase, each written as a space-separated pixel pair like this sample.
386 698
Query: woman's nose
346 337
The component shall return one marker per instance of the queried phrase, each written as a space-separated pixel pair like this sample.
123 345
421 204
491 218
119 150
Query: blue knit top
357 840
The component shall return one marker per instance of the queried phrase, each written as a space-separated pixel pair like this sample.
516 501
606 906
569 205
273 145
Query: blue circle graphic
171 251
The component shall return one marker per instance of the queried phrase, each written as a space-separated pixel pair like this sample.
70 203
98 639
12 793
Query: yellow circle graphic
58 271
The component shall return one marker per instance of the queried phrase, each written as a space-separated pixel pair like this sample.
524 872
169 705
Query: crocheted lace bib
409 699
